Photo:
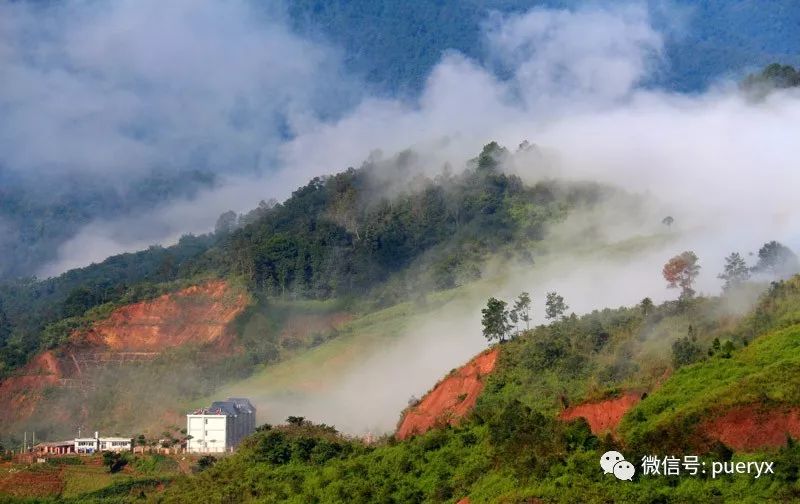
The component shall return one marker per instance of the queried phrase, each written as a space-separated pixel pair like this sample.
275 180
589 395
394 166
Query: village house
55 448
221 426
100 444
84 446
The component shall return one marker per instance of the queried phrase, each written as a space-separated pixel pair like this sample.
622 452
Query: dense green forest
335 238
353 234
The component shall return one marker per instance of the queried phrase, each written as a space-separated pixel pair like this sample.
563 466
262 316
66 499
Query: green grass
310 369
765 372
83 479
512 448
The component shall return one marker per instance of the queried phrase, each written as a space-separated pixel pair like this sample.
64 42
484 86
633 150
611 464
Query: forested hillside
338 236
517 445
340 247
36 219
315 218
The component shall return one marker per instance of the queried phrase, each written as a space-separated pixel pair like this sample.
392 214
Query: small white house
221 426
98 444
115 444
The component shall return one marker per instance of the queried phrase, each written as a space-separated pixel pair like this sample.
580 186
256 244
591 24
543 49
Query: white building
221 426
99 444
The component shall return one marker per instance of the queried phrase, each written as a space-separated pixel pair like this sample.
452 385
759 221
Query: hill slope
513 447
41 394
748 399
451 399
369 238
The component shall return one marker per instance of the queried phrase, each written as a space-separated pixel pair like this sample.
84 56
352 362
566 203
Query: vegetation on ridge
512 447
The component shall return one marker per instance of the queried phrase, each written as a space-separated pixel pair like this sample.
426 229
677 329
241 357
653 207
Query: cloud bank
120 88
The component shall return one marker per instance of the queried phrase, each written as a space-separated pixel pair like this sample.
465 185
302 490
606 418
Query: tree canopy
358 233
554 306
777 260
681 271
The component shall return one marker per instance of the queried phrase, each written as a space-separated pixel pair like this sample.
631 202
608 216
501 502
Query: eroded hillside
200 317
451 398
602 416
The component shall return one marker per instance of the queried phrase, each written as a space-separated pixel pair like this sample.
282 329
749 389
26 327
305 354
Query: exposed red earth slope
451 398
201 314
18 393
753 427
602 416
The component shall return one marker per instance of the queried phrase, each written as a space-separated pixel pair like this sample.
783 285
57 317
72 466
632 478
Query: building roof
243 404
231 407
55 443
227 406
207 412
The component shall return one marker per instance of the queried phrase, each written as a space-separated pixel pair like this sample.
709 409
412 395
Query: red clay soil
602 416
18 393
450 399
41 483
752 427
200 314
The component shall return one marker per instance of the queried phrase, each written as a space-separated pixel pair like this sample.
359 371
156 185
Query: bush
114 461
205 462
685 351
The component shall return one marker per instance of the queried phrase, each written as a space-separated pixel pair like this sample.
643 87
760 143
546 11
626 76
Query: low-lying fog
370 395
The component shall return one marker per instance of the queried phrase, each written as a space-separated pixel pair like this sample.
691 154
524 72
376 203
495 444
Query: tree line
501 323
345 235
775 261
